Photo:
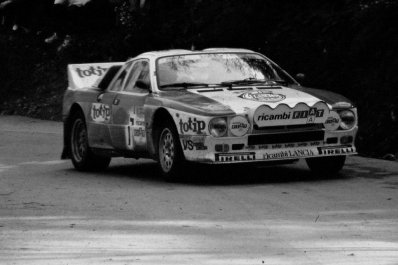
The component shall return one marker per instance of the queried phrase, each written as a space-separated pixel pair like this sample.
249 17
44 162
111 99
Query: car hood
216 101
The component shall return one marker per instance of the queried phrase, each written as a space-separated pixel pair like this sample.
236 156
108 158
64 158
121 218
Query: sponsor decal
193 142
288 145
285 154
233 157
87 75
284 115
135 135
140 123
100 112
336 151
270 117
239 126
300 114
136 128
263 96
137 116
98 71
333 121
139 111
192 125
200 146
190 145
140 132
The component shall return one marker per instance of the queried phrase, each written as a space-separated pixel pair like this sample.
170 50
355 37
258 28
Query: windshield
214 69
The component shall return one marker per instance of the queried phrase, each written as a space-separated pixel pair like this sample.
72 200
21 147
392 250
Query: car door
101 111
128 120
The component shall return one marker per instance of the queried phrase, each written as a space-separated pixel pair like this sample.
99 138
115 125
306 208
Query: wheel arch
160 117
75 108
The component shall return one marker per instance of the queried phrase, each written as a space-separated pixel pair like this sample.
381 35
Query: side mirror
300 77
142 84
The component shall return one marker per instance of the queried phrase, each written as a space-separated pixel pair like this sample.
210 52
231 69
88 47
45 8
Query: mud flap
65 153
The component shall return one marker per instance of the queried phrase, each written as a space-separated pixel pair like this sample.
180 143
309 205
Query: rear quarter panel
82 100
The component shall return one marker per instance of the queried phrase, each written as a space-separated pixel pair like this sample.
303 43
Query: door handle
116 101
99 98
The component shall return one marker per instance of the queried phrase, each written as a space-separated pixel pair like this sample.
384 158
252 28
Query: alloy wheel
79 141
166 150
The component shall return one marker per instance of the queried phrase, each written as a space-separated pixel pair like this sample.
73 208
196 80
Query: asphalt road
52 214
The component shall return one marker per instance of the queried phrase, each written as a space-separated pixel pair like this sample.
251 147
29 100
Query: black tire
169 154
326 166
82 157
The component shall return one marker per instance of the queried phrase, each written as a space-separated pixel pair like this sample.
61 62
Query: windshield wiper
244 81
185 85
279 81
250 81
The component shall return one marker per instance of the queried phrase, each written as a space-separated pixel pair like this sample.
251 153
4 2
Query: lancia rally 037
216 106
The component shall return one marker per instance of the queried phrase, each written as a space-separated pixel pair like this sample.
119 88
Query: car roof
157 54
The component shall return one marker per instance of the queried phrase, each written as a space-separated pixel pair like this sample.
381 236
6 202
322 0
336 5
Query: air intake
289 137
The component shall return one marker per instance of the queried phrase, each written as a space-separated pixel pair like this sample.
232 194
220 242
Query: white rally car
215 106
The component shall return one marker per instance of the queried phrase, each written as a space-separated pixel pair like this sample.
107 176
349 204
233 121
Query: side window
144 75
118 82
133 76
107 79
140 71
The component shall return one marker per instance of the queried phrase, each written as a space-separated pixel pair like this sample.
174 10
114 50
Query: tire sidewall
174 172
80 165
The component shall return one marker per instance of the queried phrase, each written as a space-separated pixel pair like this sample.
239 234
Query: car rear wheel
326 166
81 155
170 156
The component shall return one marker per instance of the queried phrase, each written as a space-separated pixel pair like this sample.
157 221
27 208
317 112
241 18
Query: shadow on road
209 175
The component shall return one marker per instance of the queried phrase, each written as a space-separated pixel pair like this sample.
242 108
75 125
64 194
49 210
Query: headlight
347 119
218 127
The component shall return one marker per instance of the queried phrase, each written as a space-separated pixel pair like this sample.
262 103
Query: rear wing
88 75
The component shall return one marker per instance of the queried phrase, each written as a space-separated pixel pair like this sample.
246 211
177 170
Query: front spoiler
269 155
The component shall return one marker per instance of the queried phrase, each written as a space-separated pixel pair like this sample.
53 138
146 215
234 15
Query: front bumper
208 149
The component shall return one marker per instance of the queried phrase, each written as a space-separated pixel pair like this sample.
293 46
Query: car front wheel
81 155
326 166
169 153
